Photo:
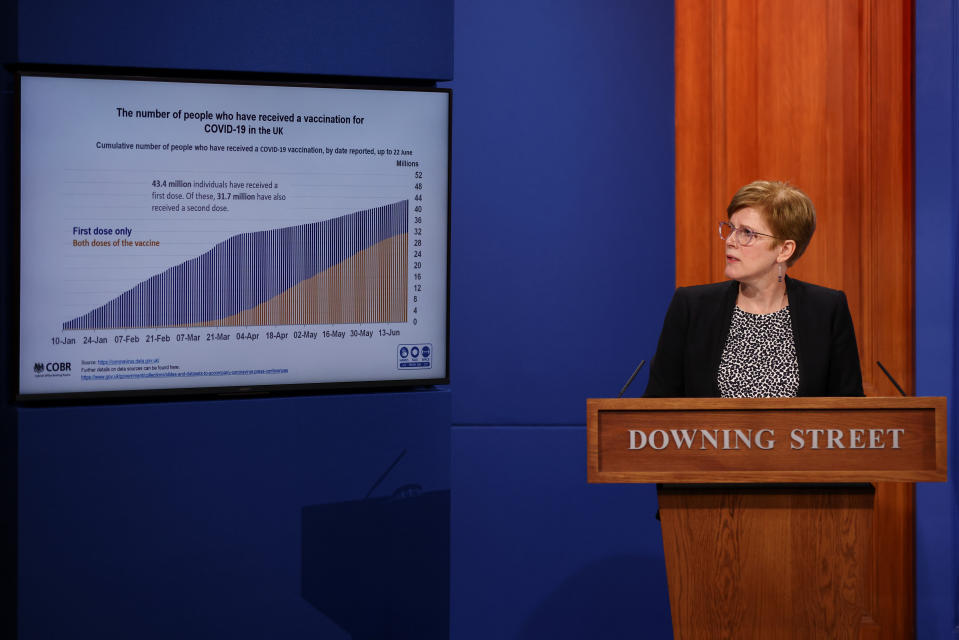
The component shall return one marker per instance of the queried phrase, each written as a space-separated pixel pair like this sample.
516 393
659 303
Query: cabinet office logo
51 369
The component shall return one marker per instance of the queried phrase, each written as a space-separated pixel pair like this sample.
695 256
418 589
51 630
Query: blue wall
563 204
210 519
409 39
232 518
937 278
562 269
539 553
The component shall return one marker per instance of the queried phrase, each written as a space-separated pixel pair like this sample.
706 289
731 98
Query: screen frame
209 392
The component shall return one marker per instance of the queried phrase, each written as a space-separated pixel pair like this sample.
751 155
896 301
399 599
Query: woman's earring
780 271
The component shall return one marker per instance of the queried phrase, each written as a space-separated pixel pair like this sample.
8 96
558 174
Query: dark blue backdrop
410 39
937 302
191 520
187 518
562 268
233 518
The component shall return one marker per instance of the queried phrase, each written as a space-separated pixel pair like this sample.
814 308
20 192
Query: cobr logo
39 368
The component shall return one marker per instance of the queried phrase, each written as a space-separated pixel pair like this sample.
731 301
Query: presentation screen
182 236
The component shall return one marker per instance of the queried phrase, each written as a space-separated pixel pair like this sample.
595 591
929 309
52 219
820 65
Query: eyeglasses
746 236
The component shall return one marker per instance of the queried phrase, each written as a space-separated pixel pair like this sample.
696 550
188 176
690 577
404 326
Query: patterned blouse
759 360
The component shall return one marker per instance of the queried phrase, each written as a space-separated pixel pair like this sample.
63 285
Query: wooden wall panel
817 92
820 94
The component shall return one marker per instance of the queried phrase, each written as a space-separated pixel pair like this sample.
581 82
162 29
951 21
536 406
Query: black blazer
697 324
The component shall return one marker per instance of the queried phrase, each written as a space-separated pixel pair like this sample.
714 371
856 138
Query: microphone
630 381
891 379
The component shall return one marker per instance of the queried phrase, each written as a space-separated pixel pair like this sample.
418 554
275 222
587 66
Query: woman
762 333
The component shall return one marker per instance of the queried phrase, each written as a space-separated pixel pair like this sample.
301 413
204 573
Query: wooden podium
771 526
